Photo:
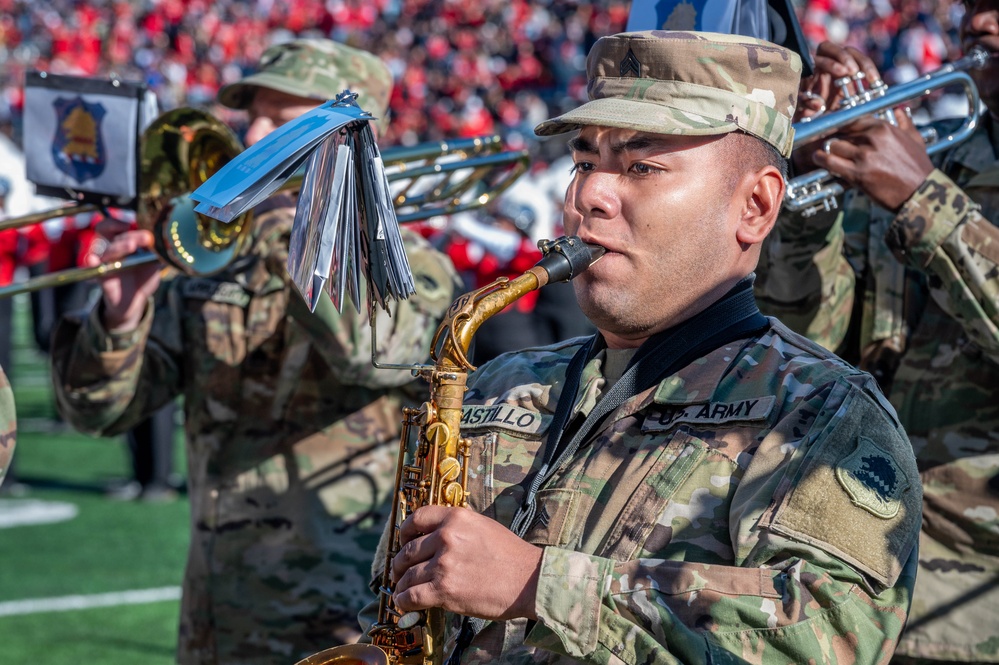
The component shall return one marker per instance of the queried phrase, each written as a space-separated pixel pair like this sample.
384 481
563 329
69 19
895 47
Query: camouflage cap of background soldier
695 83
319 69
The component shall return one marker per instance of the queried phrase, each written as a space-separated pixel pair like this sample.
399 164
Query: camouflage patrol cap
319 69
695 83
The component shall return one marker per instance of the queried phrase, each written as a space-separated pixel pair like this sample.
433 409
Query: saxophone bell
348 654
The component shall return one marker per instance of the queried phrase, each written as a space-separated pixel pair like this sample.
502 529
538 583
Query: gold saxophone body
437 473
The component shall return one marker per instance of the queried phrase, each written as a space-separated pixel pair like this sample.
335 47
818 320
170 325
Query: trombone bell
180 150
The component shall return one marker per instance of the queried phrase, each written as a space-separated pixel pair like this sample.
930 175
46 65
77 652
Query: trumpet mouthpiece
978 56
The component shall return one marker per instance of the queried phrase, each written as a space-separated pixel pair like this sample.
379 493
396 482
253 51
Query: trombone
184 147
817 190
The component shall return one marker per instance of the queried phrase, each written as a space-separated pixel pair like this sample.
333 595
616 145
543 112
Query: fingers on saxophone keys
416 589
408 554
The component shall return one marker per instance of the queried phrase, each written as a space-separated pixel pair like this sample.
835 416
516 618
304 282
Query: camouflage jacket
292 438
8 425
926 284
731 513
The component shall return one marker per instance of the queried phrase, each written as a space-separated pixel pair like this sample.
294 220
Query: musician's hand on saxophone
465 563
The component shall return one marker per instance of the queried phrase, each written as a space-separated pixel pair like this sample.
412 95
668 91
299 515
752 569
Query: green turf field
122 561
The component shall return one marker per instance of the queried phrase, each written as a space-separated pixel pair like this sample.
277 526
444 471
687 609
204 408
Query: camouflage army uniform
292 438
8 425
718 515
932 311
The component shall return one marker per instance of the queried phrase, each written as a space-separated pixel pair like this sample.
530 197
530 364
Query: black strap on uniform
734 316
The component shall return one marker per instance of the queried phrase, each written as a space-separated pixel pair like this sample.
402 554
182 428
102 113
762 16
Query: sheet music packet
345 226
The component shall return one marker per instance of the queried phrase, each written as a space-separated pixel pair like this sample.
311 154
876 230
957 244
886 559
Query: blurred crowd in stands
462 68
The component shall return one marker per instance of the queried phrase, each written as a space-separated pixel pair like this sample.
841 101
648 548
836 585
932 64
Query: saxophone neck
563 259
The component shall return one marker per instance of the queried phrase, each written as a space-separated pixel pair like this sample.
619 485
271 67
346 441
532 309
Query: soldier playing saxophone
695 483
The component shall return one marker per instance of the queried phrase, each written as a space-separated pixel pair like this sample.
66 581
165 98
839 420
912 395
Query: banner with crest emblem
81 136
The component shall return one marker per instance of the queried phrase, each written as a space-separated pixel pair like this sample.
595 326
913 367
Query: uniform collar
698 381
261 266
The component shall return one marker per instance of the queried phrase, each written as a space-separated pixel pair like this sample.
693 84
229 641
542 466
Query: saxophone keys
438 433
454 494
449 468
408 620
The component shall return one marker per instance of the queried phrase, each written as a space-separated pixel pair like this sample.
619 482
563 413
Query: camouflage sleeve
803 278
824 570
404 335
8 424
105 383
942 232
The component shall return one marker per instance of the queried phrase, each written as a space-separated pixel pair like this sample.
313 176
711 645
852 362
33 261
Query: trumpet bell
180 150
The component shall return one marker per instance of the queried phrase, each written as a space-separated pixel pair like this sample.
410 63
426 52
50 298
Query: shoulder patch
228 293
711 413
857 494
873 479
503 416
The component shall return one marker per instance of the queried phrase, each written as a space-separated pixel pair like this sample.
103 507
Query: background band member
8 425
905 283
291 433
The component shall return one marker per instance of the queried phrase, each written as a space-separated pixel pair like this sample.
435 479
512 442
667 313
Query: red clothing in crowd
468 257
21 247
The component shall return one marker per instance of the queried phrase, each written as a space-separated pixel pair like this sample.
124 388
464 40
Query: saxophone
438 473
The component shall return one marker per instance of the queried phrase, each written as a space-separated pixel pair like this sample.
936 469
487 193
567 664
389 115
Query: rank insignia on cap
630 66
873 479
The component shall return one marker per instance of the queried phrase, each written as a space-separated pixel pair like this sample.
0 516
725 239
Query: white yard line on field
68 603
27 512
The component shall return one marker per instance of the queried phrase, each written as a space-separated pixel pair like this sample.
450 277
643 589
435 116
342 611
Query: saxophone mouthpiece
567 256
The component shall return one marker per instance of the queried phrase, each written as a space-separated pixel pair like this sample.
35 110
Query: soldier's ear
759 194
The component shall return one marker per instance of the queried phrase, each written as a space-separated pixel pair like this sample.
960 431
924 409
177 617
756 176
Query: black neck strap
732 317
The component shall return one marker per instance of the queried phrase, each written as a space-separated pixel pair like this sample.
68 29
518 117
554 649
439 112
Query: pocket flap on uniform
554 517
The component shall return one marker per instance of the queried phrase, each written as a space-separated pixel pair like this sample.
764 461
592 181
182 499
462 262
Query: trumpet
184 147
817 190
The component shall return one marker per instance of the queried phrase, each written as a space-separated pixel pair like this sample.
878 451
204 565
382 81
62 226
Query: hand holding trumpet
885 157
887 162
